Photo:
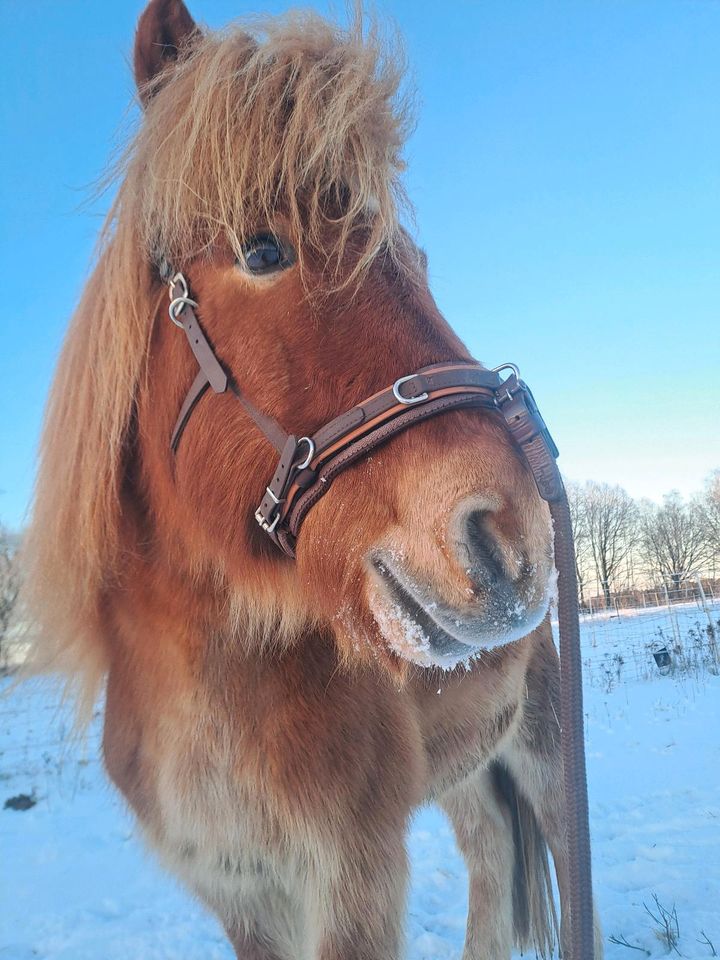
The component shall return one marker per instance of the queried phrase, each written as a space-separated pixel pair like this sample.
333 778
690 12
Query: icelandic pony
274 723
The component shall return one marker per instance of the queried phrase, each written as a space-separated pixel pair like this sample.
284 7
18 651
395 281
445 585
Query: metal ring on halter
178 278
177 306
507 366
407 400
310 454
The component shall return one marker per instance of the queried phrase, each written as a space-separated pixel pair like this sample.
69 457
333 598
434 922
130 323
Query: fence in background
648 634
656 591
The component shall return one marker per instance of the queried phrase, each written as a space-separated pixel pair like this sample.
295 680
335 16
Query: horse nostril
479 550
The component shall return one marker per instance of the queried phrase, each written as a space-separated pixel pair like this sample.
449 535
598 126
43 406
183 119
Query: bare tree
9 583
578 515
709 506
611 519
674 537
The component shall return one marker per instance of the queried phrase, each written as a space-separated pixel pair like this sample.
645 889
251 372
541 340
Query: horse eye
264 254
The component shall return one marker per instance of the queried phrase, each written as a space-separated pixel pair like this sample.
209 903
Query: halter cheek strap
212 373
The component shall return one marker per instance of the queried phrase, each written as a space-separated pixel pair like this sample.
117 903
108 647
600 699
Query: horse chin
432 634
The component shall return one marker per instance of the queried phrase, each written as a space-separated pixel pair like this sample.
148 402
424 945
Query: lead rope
525 423
582 936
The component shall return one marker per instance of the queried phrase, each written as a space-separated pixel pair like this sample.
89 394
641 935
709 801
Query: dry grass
667 928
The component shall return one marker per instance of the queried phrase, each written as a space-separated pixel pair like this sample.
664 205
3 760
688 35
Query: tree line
620 541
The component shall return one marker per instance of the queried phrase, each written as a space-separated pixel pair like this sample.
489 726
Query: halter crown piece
308 465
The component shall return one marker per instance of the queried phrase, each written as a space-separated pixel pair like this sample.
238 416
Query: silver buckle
264 525
267 525
408 400
514 369
508 366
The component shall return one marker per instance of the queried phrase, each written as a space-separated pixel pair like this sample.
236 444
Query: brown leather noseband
308 465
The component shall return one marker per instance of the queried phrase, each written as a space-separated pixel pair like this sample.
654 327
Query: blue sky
565 171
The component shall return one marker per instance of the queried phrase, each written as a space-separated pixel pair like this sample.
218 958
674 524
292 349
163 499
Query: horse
274 721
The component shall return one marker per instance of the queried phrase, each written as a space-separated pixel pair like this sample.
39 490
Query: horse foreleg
265 927
483 828
362 910
265 917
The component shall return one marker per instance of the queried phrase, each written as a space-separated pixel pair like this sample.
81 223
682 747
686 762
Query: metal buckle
269 525
516 370
508 366
178 304
521 411
408 400
264 524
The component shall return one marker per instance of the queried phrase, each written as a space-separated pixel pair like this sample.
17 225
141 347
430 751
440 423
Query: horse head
266 168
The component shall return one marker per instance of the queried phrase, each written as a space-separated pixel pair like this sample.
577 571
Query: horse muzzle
421 627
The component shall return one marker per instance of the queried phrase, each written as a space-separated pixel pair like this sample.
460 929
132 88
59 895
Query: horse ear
163 29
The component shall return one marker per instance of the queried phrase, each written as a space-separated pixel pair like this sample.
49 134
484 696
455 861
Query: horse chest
466 717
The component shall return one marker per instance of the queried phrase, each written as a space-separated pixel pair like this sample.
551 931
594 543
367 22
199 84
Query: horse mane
286 115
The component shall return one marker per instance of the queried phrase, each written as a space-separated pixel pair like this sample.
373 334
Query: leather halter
308 465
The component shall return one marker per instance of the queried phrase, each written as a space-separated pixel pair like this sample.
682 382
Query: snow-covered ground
76 884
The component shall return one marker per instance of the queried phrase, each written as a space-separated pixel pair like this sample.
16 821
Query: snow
78 885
